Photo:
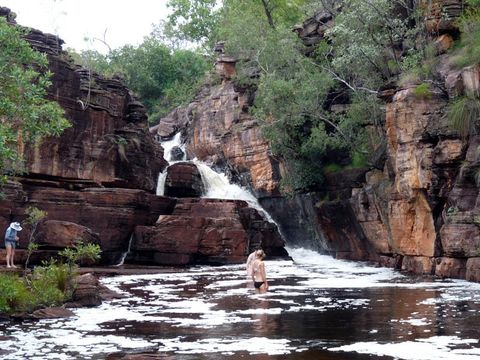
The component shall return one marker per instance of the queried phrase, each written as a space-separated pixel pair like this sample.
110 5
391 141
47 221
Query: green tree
296 94
34 217
161 77
26 115
193 20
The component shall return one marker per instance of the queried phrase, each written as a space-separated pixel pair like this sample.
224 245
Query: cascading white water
217 185
162 177
168 145
124 255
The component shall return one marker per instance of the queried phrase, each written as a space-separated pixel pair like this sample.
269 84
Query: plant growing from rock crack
34 217
464 115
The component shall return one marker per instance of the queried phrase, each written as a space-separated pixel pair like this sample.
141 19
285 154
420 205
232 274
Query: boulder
52 313
183 180
473 269
86 293
451 268
418 265
61 234
176 154
460 239
206 231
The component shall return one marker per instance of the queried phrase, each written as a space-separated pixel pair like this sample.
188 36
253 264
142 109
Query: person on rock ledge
259 274
11 240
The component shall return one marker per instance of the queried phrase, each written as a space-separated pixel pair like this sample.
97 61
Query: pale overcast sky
126 22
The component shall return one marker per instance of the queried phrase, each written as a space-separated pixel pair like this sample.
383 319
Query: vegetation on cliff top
318 104
162 75
464 111
26 115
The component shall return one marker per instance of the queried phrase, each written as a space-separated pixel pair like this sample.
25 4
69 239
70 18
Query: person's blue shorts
13 244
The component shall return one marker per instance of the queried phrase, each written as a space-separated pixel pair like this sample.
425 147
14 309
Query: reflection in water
316 308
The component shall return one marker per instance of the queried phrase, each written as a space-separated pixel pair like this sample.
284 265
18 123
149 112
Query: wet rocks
86 293
176 154
183 180
52 313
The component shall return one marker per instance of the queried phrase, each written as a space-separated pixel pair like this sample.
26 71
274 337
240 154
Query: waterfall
124 255
168 145
162 177
217 185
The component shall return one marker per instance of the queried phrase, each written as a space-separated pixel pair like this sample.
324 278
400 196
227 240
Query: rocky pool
316 308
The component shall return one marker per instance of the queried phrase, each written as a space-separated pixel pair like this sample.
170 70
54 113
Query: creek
316 308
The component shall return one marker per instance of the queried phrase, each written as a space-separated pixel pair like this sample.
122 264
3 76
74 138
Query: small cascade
124 255
168 146
217 185
162 177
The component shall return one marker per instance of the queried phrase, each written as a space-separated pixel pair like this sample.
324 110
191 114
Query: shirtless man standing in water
259 275
250 260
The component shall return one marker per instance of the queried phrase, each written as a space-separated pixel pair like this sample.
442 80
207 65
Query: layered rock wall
108 143
96 181
220 131
416 209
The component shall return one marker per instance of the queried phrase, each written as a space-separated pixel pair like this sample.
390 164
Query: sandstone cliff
416 209
97 182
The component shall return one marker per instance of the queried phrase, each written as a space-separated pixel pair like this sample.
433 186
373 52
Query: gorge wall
415 210
97 182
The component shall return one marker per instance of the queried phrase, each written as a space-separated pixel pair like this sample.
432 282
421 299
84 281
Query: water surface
316 308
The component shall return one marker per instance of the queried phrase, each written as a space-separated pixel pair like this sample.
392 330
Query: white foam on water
165 301
225 284
271 311
254 345
415 322
437 347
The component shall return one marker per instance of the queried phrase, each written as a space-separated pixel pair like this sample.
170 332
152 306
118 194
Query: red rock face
206 230
440 15
62 234
104 216
108 143
220 131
